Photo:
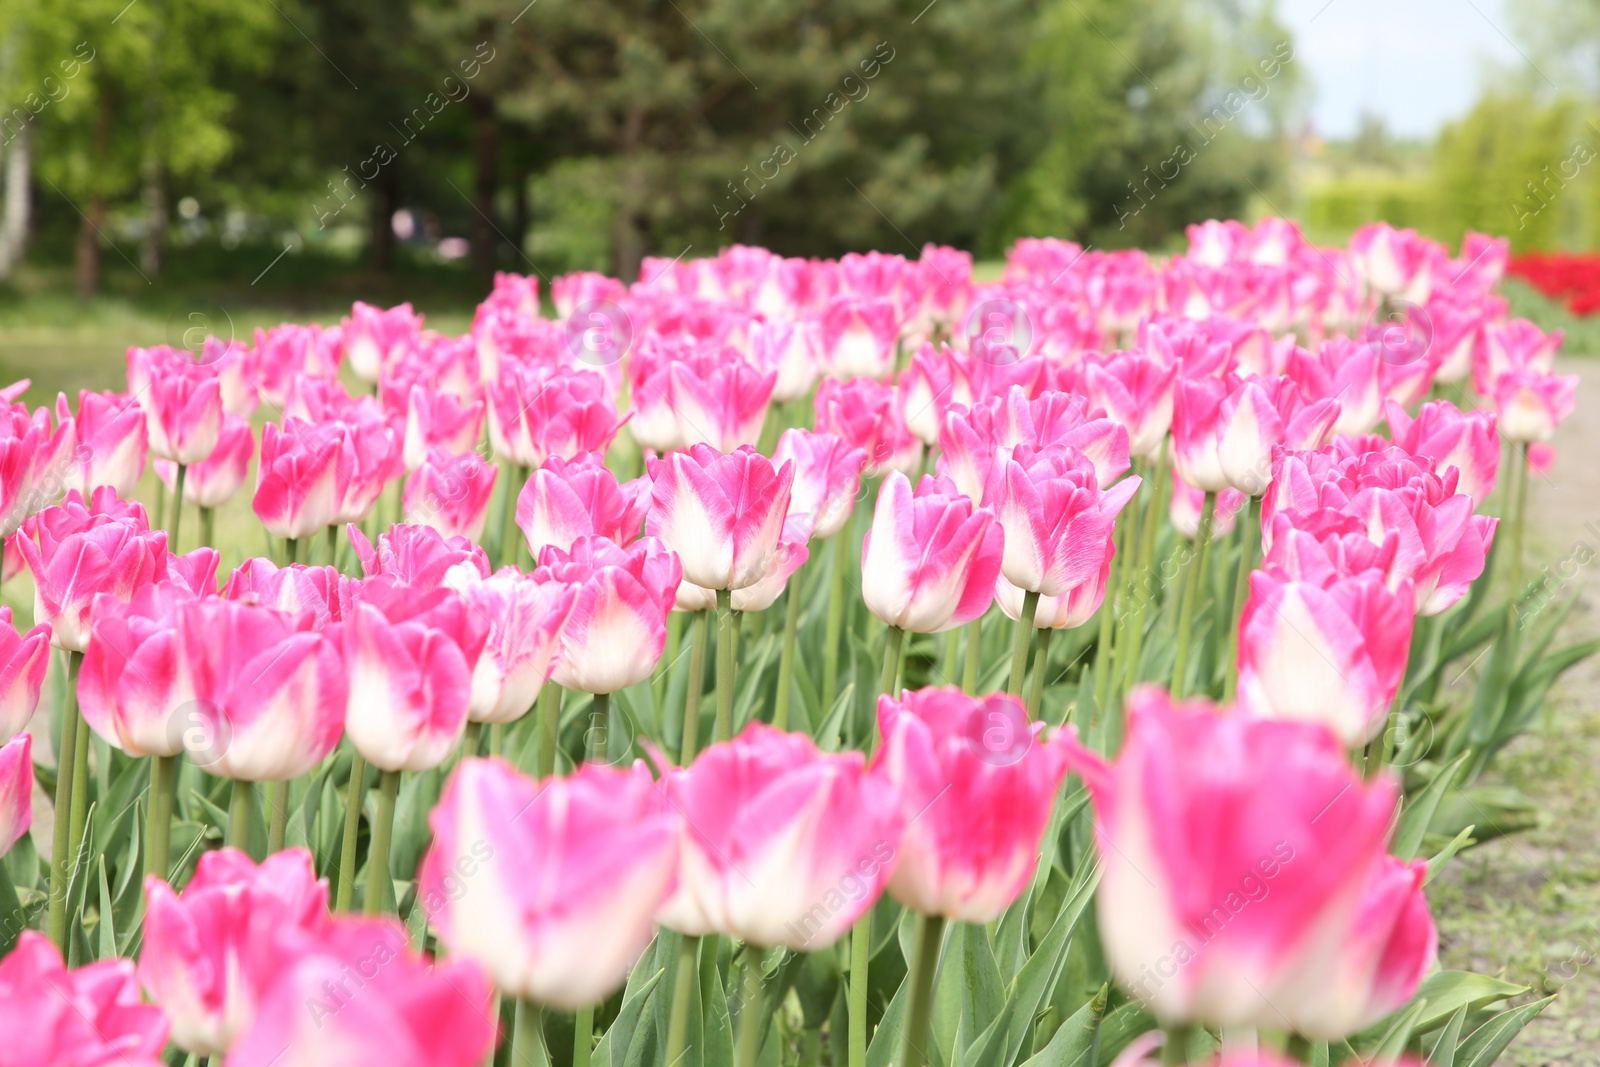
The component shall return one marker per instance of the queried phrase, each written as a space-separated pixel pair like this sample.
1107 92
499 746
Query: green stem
158 814
382 833
509 543
1519 510
208 527
1249 535
1298 1048
333 546
527 1035
950 664
1142 597
748 1048
924 966
691 699
683 984
549 728
1103 656
177 506
239 814
599 728
472 739
583 1037
61 850
1041 662
791 622
835 624
291 551
969 669
725 623
79 814
1193 579
1176 1049
278 825
355 796
1022 636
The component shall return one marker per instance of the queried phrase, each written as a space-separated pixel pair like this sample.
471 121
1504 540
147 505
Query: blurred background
175 167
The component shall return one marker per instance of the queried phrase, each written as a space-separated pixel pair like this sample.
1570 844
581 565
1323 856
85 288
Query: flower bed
790 662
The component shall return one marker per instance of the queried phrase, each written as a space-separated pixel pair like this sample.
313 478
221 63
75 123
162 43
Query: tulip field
789 662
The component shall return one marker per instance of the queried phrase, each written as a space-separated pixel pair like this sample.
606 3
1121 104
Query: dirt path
1528 906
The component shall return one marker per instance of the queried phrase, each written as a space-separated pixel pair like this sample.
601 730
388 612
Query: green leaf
1486 1043
1440 858
717 1029
1418 812
107 931
1036 983
1443 1053
969 993
1445 991
1120 1027
827 735
1074 1042
13 916
1398 1035
620 1034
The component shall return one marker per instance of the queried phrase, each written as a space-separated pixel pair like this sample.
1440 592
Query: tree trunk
520 220
86 258
385 201
486 159
19 204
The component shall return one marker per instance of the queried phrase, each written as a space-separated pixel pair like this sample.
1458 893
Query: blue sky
1418 63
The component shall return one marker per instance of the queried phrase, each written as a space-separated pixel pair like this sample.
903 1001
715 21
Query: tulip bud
451 494
618 626
568 499
24 661
930 559
92 1015
16 790
212 482
721 514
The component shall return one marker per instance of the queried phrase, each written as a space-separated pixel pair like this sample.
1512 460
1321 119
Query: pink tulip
789 349
976 784
1057 521
719 399
1136 391
781 844
370 457
16 790
410 653
618 626
534 415
930 559
1225 430
1441 432
1320 645
1346 372
356 993
374 338
299 484
132 688
182 401
287 350
525 618
790 556
1531 404
36 463
84 552
1518 345
210 953
1235 849
551 886
858 337
195 572
1056 419
112 441
322 591
568 499
721 514
827 478
53 1017
1395 264
212 482
421 557
1197 422
439 420
450 493
865 414
24 660
1187 508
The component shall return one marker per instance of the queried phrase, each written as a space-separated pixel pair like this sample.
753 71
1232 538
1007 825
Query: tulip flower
409 652
719 399
36 463
1056 419
450 493
1507 347
865 414
1057 521
1344 371
322 591
1319 645
1235 850
287 350
525 619
16 790
1441 432
790 350
858 337
92 1015
1396 264
781 844
212 482
827 478
182 401
112 441
374 338
370 456
721 514
132 688
1136 391
789 557
552 887
24 661
86 552
930 559
976 783
420 557
1530 404
568 499
298 482
1068 611
534 415
618 626
1186 509
355 992
438 420
210 953
1225 430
